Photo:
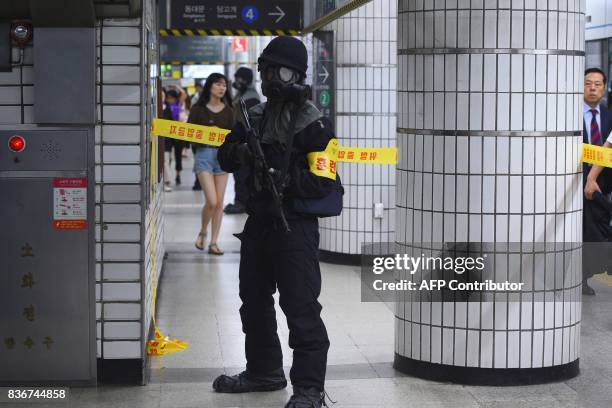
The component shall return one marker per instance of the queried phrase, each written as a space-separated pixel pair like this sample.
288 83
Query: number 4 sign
249 14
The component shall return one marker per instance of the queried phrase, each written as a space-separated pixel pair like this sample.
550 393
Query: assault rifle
261 165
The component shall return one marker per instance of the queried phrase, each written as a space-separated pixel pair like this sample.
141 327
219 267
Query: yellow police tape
598 155
208 135
214 136
161 345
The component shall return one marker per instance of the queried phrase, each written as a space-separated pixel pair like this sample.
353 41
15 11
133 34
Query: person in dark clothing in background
243 83
176 99
194 100
270 257
597 232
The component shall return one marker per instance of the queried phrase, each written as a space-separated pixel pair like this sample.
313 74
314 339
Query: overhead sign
227 16
182 49
323 84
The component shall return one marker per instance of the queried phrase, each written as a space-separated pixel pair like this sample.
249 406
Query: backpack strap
288 151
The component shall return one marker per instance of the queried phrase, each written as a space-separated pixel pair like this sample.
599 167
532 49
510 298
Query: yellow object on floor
163 345
603 278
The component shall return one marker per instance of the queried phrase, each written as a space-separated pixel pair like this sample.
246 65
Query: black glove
243 154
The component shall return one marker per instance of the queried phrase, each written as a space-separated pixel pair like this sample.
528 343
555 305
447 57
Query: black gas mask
280 83
240 85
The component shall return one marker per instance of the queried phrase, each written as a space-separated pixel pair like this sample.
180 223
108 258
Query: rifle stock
261 165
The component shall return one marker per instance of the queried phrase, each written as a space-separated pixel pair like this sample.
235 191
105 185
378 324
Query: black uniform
272 258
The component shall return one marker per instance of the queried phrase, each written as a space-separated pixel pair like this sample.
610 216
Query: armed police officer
280 240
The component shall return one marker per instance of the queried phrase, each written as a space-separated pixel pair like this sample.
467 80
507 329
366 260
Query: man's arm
591 183
303 183
251 102
228 154
182 93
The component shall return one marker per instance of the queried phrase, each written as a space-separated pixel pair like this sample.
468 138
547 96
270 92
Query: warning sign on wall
239 44
69 203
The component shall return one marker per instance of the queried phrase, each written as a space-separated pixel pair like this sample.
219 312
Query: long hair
205 95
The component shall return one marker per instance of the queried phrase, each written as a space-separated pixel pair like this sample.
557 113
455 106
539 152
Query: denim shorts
206 160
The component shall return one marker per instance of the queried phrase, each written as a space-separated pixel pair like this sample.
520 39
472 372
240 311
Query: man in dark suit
596 229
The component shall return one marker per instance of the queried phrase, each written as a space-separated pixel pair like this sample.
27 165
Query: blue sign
249 14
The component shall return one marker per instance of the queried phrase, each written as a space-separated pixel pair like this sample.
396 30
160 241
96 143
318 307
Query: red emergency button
16 143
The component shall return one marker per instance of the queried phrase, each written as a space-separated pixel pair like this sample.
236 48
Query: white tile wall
10 114
10 95
16 96
121 55
120 94
122 232
118 271
121 35
121 174
122 311
121 114
121 252
121 213
10 78
120 74
365 84
121 291
121 134
121 154
121 193
122 349
122 330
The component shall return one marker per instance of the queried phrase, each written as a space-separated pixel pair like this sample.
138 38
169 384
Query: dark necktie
595 133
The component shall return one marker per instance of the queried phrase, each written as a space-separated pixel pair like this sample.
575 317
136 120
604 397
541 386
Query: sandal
216 251
201 236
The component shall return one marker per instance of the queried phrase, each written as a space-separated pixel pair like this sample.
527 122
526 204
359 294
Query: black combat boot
249 382
586 289
306 398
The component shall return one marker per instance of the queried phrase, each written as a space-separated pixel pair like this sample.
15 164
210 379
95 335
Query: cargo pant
270 259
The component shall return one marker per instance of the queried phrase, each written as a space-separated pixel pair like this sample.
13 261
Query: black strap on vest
288 151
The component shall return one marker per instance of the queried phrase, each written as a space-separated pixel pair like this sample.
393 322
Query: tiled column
489 135
365 117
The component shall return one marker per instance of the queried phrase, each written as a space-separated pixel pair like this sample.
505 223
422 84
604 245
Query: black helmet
245 74
286 51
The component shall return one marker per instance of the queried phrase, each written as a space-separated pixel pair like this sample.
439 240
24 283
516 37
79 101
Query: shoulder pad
257 110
